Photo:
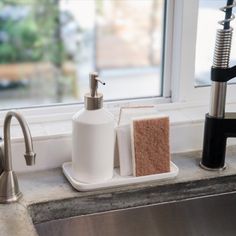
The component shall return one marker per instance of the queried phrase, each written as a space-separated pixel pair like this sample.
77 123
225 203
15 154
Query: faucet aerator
30 159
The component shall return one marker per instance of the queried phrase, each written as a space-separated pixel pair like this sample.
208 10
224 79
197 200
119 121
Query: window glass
209 15
48 47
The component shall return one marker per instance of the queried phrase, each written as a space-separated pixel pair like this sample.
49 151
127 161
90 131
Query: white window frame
183 63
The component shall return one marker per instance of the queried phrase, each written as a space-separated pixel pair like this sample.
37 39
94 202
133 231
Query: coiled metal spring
223 41
222 48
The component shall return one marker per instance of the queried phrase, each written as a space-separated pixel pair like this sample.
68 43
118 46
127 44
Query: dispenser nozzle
93 80
93 100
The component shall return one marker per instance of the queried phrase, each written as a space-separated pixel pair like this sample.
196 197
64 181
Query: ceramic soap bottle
93 138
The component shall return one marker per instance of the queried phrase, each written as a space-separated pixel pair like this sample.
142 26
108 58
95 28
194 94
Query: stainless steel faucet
220 125
9 189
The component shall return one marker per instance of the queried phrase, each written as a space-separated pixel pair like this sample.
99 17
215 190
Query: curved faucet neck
7 139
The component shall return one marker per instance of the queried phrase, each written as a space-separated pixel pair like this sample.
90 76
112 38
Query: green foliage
35 37
23 42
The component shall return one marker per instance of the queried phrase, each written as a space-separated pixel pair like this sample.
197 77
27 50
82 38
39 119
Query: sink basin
205 216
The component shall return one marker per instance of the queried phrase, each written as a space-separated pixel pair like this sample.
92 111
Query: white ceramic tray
117 180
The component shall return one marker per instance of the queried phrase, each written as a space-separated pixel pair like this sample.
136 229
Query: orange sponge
150 145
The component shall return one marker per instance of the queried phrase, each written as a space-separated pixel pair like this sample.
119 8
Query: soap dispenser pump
93 100
93 138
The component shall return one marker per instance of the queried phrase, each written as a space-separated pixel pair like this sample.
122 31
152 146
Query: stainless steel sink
206 216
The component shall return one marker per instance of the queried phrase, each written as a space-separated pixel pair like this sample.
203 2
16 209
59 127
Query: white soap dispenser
93 138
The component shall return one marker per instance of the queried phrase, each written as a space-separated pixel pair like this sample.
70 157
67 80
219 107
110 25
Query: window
62 40
153 48
48 47
189 47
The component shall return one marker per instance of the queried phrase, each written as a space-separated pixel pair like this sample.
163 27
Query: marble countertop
47 195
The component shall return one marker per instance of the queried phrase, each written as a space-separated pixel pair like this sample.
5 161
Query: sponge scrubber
150 145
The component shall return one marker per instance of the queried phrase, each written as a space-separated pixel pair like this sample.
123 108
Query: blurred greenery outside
48 47
33 39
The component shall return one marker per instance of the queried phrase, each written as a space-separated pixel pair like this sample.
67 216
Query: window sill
52 134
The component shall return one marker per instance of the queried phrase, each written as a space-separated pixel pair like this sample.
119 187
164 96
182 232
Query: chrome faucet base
9 188
6 200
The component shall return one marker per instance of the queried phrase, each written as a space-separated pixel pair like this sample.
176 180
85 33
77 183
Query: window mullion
183 49
168 44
